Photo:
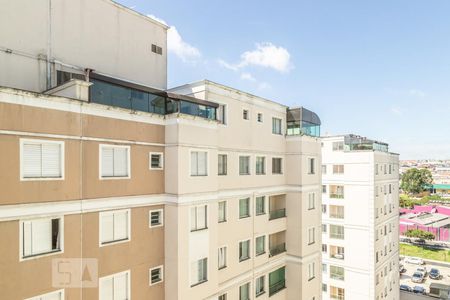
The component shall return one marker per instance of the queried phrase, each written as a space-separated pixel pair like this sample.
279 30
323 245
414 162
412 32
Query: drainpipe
49 46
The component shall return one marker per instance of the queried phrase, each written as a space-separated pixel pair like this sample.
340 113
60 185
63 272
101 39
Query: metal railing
336 196
277 249
276 287
276 214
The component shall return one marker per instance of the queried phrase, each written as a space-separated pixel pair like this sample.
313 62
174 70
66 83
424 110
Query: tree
421 234
415 181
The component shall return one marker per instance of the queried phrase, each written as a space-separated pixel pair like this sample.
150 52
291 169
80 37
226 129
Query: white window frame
264 164
36 256
281 165
265 202
249 208
150 275
311 161
101 146
249 165
263 285
40 141
265 245
281 125
161 154
206 218
190 162
311 200
113 275
311 271
259 120
191 275
226 211
313 229
102 213
226 257
161 211
249 240
61 292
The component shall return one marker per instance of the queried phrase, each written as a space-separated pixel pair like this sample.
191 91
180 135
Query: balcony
277 207
337 293
336 191
301 121
277 243
337 252
277 281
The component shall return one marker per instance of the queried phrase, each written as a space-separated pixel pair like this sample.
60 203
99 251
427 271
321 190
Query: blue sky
375 68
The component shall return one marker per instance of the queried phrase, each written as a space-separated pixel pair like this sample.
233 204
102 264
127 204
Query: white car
423 270
417 277
414 260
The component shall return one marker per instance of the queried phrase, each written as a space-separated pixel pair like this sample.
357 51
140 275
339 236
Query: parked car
435 274
401 269
422 270
414 260
405 240
418 277
406 288
419 290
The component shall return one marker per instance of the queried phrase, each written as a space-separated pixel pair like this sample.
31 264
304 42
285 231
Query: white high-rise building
359 219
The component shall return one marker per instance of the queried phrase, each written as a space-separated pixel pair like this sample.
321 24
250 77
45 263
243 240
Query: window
260 245
115 286
57 295
260 205
324 208
156 275
311 166
222 257
199 271
260 117
222 168
198 217
222 297
311 271
337 293
244 292
338 169
337 211
199 163
324 268
260 165
324 248
390 169
336 273
259 285
338 146
324 169
41 236
115 161
114 226
324 189
156 161
244 208
337 232
156 49
244 165
311 201
337 191
376 169
41 159
156 218
324 228
276 165
222 114
222 211
324 287
245 114
311 235
244 250
276 126
277 281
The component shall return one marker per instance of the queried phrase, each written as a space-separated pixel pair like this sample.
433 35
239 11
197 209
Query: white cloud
176 44
265 55
247 76
264 86
417 93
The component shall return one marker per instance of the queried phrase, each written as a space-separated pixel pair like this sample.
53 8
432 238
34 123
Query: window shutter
27 250
51 160
121 286
194 163
107 227
106 288
120 225
32 160
121 162
41 236
107 162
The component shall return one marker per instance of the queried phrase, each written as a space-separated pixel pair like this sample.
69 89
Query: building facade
118 189
360 212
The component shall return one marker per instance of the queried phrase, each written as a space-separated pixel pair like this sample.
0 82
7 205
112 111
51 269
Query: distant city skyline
380 69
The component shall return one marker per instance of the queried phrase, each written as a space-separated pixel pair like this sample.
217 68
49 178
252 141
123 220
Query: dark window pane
139 100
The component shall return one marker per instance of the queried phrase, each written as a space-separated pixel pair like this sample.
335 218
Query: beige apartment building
115 188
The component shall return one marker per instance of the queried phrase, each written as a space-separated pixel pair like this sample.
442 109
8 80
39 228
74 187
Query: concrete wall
96 34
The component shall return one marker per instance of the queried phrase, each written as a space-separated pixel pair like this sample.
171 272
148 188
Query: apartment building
82 181
115 188
360 253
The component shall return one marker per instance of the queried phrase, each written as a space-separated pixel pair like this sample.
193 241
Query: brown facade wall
23 279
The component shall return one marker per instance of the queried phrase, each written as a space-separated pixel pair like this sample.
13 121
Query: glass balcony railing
278 249
278 213
276 287
336 196
337 297
337 255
